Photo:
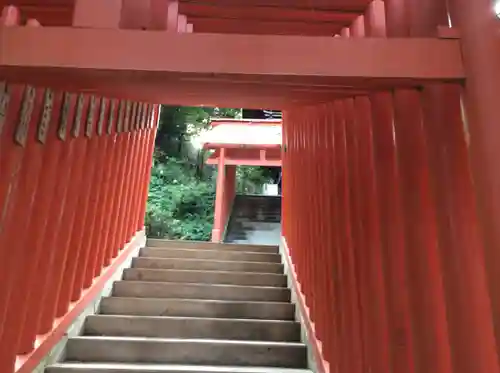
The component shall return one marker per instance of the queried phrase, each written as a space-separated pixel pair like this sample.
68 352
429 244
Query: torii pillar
224 195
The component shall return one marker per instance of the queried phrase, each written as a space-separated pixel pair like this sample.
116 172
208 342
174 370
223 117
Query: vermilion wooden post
16 213
376 332
75 260
152 123
358 291
92 125
45 206
392 232
122 144
83 235
339 351
103 217
424 267
219 197
352 331
309 223
141 169
63 224
111 129
478 27
52 230
136 169
469 315
11 158
364 247
376 319
129 143
79 131
323 239
322 279
332 303
134 174
125 187
424 270
44 135
93 264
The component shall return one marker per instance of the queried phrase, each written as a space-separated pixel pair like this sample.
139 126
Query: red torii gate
238 142
390 128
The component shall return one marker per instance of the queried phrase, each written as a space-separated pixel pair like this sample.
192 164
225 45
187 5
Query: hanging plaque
77 122
102 112
133 116
45 118
111 118
150 116
4 103
90 116
138 116
64 121
26 113
121 117
144 118
128 107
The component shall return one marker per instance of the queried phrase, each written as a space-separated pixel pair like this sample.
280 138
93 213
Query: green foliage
250 179
181 196
180 206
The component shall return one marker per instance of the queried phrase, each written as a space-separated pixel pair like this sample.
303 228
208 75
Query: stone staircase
255 219
193 307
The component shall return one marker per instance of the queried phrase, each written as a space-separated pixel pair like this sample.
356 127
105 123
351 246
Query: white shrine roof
243 132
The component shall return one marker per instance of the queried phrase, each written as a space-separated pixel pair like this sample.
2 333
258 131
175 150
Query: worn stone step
140 289
162 368
273 249
180 351
189 327
225 255
197 308
205 277
207 265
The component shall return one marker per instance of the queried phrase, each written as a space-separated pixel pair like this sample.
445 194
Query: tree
181 197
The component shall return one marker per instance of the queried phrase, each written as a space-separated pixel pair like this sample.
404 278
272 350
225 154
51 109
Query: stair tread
211 319
163 243
175 368
187 340
232 273
155 258
255 302
212 250
197 284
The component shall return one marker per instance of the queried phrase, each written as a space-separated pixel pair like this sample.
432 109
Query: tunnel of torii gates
390 159
238 142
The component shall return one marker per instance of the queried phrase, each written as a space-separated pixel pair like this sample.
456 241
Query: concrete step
162 368
225 255
180 351
139 289
198 308
207 265
189 327
205 277
273 249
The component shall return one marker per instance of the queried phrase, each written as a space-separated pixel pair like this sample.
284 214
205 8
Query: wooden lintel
246 162
85 51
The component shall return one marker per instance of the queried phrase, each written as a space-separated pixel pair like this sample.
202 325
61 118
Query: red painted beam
264 13
246 162
263 27
84 52
332 5
240 146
